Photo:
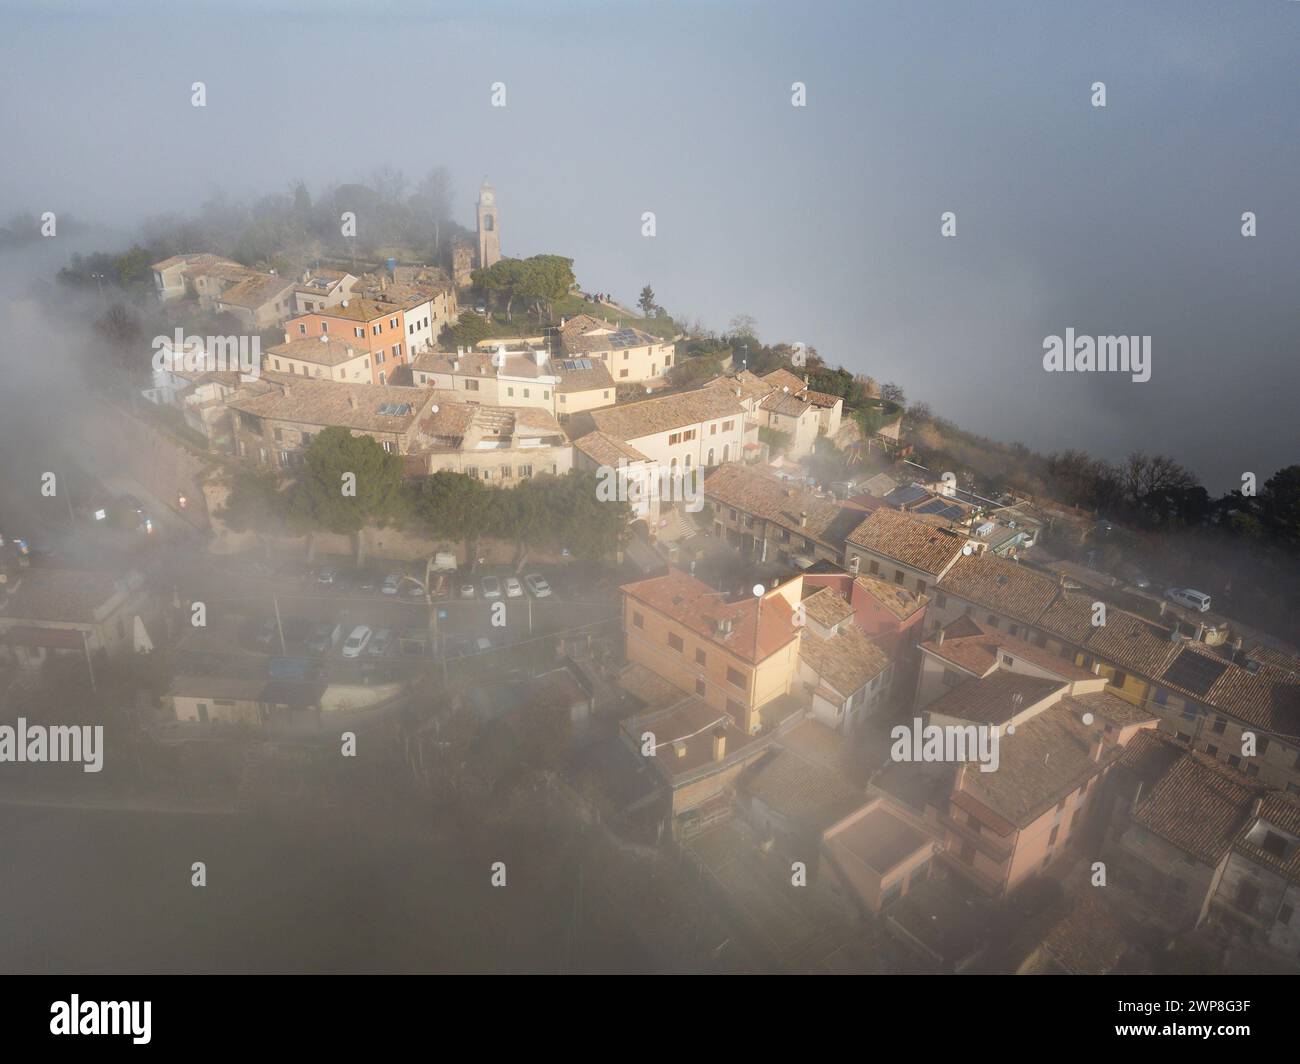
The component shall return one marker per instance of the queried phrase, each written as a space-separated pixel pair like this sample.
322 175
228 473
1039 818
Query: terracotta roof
755 634
606 450
255 291
1048 758
991 699
1002 586
330 352
1268 698
631 421
919 544
819 398
753 491
201 258
979 652
1281 811
1198 805
783 378
826 606
580 379
846 661
479 364
1131 642
749 386
358 310
785 403
308 401
1109 708
898 600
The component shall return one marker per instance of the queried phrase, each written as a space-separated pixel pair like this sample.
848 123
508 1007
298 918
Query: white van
1189 597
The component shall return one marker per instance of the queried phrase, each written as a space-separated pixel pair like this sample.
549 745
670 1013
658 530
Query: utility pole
85 646
278 627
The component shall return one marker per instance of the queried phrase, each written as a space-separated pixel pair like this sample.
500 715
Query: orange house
362 324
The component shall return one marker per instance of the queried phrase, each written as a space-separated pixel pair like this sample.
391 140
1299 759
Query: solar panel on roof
1195 672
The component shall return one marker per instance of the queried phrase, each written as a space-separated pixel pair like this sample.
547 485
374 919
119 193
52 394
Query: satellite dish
324 339
433 409
968 550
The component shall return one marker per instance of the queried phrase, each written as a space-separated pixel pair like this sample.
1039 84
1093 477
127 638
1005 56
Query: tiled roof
992 699
253 292
916 543
749 386
631 421
756 634
479 364
806 792
358 310
760 494
327 351
846 661
819 398
785 403
978 653
898 600
1197 805
1109 708
1048 758
1003 586
1281 811
827 607
308 401
606 450
581 380
783 378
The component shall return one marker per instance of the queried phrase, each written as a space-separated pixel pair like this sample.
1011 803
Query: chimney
1164 608
855 563
1200 632
939 638
719 743
1098 745
352 401
541 355
460 350
803 518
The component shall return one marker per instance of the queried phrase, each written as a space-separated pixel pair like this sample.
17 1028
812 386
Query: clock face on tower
486 197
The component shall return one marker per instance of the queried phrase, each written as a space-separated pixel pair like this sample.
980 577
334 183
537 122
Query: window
359 333
951 678
737 711
700 657
471 385
277 363
1284 914
675 641
1051 839
388 446
700 688
899 577
638 620
1008 660
324 326
874 568
727 426
1261 746
392 323
302 330
735 678
1274 844
505 472
993 621
1219 725
1212 750
525 393
525 471
622 373
1247 897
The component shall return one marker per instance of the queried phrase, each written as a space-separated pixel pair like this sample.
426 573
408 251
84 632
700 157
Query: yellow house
735 656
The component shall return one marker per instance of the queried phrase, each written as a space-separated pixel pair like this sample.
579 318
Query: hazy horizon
823 222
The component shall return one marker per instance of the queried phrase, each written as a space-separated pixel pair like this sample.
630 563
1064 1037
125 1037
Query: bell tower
489 234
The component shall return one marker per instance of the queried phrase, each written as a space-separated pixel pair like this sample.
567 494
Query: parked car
1189 597
467 589
491 587
324 637
412 588
1140 580
368 580
537 585
357 641
381 644
328 575
391 583
514 589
